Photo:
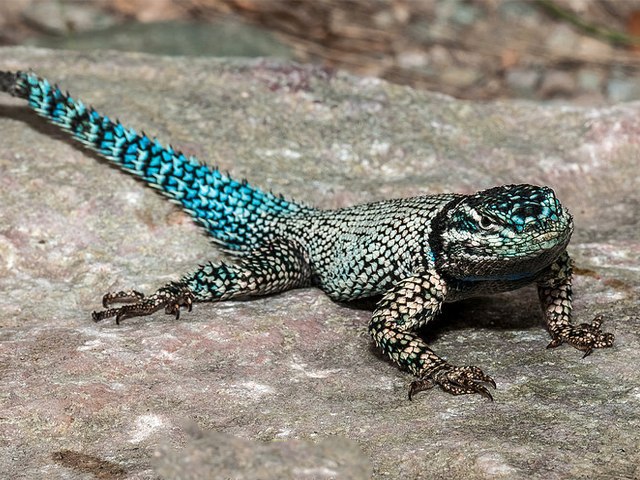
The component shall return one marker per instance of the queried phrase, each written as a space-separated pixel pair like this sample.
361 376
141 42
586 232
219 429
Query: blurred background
583 52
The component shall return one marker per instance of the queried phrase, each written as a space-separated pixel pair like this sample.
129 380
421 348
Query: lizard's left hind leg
272 268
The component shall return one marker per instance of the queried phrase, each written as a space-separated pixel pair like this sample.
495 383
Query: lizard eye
485 223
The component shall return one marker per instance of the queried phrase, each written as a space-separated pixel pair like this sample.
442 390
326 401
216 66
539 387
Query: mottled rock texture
85 400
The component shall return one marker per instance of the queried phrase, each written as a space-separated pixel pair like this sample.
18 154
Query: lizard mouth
517 261
551 241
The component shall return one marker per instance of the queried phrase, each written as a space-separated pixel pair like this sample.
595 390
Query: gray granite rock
217 455
81 400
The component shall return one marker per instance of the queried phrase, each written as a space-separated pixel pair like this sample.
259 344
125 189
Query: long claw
482 390
554 343
420 386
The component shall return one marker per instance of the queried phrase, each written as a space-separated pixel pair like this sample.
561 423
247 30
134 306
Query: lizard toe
127 296
464 380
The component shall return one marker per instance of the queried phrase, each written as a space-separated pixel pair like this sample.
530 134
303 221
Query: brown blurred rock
467 49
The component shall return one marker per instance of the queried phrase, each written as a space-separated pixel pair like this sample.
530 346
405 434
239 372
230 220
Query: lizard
415 254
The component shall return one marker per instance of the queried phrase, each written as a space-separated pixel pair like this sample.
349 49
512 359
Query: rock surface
85 400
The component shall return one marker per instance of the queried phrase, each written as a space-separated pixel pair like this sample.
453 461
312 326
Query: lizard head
502 233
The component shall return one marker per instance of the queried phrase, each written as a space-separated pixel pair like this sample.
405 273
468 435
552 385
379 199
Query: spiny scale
417 253
230 211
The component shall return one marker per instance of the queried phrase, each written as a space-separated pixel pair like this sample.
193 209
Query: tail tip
8 81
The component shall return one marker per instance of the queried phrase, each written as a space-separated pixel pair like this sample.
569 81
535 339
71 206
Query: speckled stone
80 398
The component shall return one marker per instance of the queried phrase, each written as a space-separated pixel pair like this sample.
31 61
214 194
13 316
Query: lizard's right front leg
274 267
409 305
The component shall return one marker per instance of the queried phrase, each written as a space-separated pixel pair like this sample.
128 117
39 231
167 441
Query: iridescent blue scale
226 208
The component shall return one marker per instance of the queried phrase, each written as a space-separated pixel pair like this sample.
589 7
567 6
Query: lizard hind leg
170 297
274 267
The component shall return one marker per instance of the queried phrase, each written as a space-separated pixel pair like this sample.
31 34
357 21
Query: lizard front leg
410 304
554 291
274 267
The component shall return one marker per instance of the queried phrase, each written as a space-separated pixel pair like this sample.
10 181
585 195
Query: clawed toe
420 385
456 381
584 337
174 308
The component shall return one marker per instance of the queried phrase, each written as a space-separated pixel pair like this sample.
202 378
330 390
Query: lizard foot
170 297
456 381
584 337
